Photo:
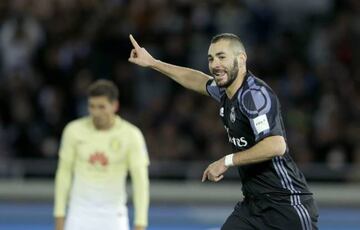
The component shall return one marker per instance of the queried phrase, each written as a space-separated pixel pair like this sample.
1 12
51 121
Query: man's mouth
220 74
98 120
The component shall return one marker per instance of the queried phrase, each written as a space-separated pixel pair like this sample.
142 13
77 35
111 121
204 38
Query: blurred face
102 111
223 64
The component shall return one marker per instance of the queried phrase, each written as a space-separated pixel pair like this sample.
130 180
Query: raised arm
189 78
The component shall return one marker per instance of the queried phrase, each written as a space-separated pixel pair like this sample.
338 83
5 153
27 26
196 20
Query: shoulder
214 91
78 125
256 97
128 127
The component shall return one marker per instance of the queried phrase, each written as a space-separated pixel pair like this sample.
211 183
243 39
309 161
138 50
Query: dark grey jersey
250 116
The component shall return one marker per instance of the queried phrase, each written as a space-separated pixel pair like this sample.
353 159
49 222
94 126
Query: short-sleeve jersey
251 115
101 160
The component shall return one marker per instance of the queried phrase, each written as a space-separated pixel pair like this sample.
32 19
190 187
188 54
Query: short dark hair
105 88
235 41
225 36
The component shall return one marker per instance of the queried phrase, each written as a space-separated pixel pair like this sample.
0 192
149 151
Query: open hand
139 228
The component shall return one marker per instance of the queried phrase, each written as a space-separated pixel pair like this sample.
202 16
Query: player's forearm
140 183
264 150
62 187
187 77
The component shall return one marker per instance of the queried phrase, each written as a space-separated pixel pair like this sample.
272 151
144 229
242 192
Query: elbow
280 146
277 145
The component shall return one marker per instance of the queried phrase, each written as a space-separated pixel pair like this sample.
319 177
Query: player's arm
138 167
264 150
140 184
189 78
267 128
63 178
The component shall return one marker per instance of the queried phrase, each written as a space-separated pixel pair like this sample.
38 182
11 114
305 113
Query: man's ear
116 105
242 58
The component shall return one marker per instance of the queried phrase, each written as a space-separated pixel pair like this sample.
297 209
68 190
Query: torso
250 116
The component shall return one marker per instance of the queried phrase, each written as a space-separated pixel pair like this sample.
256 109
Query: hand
139 55
59 223
214 172
139 228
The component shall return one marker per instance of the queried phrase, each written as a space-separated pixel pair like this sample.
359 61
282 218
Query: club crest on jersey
222 112
115 144
232 115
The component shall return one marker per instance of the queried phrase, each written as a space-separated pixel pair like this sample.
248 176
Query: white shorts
80 219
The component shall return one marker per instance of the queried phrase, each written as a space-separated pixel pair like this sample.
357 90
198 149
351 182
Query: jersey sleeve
214 91
138 167
260 105
138 154
64 172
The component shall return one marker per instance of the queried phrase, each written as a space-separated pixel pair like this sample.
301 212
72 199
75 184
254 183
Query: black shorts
265 214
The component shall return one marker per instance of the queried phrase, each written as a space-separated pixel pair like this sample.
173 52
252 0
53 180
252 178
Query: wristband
229 160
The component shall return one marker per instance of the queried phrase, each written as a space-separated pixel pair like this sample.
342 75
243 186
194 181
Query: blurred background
51 50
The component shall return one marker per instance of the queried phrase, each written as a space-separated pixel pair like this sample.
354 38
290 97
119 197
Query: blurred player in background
95 156
276 193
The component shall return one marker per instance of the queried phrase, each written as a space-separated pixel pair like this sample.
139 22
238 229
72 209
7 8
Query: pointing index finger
204 175
133 42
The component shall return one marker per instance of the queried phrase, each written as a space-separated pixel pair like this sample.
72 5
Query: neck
106 126
231 89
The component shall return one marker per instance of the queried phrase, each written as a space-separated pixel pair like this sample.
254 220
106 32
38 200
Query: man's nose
215 63
95 112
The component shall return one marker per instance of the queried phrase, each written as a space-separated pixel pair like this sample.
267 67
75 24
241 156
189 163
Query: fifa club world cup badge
232 115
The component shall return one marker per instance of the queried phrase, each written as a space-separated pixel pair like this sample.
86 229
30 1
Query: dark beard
233 73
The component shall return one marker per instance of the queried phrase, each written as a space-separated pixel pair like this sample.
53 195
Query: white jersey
91 176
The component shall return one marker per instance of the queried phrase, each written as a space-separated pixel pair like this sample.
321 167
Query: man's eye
222 57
